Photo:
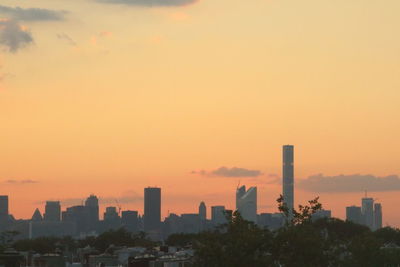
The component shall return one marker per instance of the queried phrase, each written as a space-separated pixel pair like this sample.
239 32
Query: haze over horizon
109 97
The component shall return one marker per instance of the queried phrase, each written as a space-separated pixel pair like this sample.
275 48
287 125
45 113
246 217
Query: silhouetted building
367 210
190 223
246 203
152 209
288 177
218 215
4 205
92 212
129 220
377 216
354 214
37 216
52 211
77 216
202 211
271 221
322 214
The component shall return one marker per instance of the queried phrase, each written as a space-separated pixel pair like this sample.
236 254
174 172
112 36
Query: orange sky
112 98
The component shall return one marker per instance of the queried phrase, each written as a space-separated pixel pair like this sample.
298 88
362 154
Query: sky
196 96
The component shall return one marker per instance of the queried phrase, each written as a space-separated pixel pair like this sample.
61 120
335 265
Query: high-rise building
92 212
52 211
377 216
246 203
288 177
4 205
353 214
367 210
129 220
152 209
202 211
218 215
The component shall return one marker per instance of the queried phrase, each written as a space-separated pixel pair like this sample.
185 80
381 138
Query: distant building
246 203
37 216
129 220
92 212
288 177
152 209
354 214
52 211
77 216
190 223
367 210
202 211
322 214
4 205
271 221
377 216
218 215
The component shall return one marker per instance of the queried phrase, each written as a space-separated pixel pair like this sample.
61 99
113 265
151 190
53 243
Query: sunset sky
110 96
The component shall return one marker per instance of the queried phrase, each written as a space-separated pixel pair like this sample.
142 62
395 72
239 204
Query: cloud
230 172
67 38
349 183
32 14
150 3
14 36
27 181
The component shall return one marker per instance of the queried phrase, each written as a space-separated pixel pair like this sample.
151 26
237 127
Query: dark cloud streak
230 172
150 3
32 14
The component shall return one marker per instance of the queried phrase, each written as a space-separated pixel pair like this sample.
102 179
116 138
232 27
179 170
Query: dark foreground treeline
301 242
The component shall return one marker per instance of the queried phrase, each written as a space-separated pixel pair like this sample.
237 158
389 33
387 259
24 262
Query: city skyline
193 96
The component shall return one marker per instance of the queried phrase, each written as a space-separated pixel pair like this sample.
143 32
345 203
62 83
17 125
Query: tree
304 213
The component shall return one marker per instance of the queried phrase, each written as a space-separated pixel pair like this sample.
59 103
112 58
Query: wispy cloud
349 183
26 181
32 14
150 3
67 38
230 172
13 35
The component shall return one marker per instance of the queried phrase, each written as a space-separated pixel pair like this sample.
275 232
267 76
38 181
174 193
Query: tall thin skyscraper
288 177
92 212
52 211
202 211
377 216
246 203
152 209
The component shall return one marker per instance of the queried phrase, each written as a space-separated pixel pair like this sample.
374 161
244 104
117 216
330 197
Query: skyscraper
246 203
152 209
52 211
353 214
4 205
92 212
367 210
288 177
202 211
218 215
377 216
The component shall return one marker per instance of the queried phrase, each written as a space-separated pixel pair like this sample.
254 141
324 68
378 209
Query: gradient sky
108 97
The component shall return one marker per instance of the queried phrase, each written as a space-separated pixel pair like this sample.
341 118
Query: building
353 214
190 223
202 211
320 214
77 216
52 211
246 203
377 216
4 205
92 212
218 215
129 220
288 177
367 211
152 209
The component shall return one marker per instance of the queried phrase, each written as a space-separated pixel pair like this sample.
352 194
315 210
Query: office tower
367 210
377 216
353 214
190 223
202 211
152 209
77 216
130 221
92 212
52 211
4 205
322 214
218 215
288 177
246 203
